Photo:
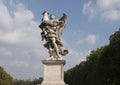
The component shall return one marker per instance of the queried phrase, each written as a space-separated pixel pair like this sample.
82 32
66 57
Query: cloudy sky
90 23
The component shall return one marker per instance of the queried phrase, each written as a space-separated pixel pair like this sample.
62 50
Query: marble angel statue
51 32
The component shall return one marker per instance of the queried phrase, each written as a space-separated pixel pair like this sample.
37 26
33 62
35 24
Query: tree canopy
102 66
27 82
5 78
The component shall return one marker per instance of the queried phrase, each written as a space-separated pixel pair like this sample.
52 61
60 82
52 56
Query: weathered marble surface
51 32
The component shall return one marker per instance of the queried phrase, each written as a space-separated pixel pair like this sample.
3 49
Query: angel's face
52 16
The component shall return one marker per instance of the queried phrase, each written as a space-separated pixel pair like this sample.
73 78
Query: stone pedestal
53 72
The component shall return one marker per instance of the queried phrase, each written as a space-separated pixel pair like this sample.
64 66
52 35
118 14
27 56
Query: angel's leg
55 46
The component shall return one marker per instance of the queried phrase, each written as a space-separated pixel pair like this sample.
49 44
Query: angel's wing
63 21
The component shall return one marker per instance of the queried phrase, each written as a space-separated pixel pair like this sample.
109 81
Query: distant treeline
27 82
6 79
102 66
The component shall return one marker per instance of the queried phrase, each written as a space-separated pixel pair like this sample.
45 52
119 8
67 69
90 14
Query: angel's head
52 17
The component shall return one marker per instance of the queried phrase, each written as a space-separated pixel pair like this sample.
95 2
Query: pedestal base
52 84
53 72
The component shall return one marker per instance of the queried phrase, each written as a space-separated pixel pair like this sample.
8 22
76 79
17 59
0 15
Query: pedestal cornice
52 62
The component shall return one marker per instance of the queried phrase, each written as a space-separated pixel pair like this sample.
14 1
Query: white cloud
88 9
18 63
73 52
14 63
111 15
90 39
11 37
5 52
108 4
11 2
18 28
86 6
20 37
84 54
23 16
108 9
5 18
71 58
74 57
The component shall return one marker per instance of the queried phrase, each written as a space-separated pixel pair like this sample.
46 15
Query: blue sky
89 25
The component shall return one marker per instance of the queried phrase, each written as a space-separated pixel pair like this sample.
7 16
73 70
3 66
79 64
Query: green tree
5 78
102 66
